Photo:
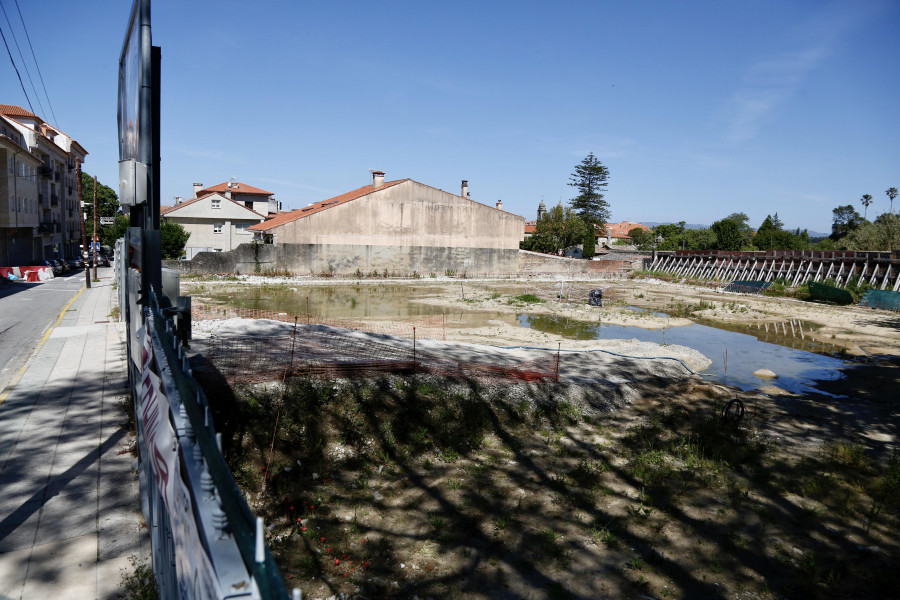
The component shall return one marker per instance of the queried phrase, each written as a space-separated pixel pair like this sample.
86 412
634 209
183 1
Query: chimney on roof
178 200
465 189
499 204
197 188
377 179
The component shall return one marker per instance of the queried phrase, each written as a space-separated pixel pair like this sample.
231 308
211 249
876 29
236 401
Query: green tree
590 179
558 229
589 246
641 238
673 235
728 234
776 222
173 239
110 233
891 194
743 224
883 234
767 233
866 202
844 220
107 203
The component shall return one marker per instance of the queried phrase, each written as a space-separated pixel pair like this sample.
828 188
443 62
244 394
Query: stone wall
337 259
536 263
345 259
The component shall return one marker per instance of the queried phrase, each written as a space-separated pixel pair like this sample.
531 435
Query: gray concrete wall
347 259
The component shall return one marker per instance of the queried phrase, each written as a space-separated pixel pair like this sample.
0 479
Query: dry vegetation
397 487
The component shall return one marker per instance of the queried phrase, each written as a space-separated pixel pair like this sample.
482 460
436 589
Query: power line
22 57
24 91
34 58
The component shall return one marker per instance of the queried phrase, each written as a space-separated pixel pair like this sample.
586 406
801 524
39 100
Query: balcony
49 227
45 171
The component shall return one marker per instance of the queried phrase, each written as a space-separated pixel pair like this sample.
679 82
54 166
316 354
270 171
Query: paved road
26 311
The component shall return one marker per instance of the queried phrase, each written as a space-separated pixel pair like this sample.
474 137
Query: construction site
481 439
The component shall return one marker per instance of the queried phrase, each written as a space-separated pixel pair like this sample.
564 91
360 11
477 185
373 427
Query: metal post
84 246
95 237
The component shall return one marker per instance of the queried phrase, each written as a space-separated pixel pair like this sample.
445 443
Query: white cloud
767 85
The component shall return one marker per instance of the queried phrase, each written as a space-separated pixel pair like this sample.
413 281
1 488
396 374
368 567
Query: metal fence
205 541
320 351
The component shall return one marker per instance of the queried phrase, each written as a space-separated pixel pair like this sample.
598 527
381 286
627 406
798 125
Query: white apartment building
216 222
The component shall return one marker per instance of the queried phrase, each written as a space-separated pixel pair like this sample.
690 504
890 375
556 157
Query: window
241 228
217 227
216 204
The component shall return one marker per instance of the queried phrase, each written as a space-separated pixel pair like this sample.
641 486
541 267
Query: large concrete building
399 226
40 215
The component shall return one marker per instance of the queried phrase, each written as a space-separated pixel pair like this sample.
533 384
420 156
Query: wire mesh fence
328 352
426 328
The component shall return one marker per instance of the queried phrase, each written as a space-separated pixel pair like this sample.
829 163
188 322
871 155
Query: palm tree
866 201
891 193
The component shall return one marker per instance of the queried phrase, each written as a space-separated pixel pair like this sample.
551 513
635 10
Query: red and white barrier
33 274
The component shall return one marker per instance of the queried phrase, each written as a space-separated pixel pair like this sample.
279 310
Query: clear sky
698 109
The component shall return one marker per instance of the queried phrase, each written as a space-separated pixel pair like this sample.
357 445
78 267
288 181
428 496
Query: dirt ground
558 494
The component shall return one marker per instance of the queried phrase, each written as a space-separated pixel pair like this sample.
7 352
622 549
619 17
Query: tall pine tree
589 179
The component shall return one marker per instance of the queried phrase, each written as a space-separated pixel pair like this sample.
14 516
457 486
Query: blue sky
698 109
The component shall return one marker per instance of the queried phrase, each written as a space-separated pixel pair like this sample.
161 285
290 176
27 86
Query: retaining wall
338 259
342 259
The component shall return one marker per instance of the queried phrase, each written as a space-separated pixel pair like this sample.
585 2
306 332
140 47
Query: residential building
618 232
251 197
57 233
402 226
216 222
19 209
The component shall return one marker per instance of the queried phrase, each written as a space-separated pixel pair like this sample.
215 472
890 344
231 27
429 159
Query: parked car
102 261
57 270
75 262
62 264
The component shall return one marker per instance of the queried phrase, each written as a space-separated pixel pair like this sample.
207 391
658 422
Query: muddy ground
654 497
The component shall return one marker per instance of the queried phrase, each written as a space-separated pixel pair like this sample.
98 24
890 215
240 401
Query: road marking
24 368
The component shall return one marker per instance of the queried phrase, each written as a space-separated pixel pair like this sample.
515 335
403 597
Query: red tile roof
620 230
164 210
11 110
236 188
530 228
312 209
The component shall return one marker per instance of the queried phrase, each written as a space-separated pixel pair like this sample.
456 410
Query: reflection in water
796 368
784 348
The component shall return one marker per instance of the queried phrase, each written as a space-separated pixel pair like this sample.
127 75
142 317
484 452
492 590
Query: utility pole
95 243
84 246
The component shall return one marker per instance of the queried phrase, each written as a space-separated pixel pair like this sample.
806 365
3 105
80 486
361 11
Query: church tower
542 209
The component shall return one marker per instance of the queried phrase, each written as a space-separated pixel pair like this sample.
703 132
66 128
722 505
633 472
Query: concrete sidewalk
69 502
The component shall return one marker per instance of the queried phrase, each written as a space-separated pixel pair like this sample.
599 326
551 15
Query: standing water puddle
797 367
783 348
